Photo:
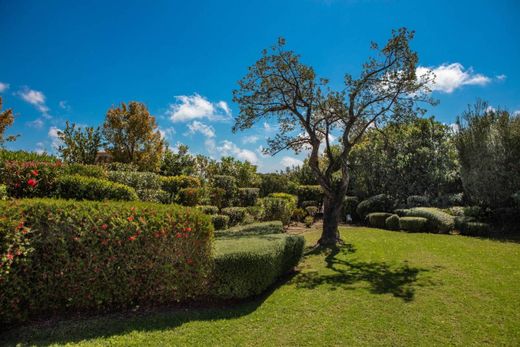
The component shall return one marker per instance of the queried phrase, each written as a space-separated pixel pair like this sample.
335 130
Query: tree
279 86
80 145
6 120
178 163
133 137
243 171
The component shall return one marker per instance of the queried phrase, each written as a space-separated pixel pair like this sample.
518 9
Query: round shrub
381 202
392 222
220 221
378 219
96 171
417 201
88 188
153 195
439 221
208 209
413 224
278 209
293 199
256 212
189 196
298 214
31 179
236 214
310 192
248 196
308 221
224 190
474 228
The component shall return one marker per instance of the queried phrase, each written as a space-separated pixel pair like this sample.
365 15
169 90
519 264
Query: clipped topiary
413 224
474 228
236 214
392 222
381 202
378 219
439 221
220 221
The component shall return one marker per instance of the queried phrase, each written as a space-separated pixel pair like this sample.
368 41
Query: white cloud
64 105
290 162
37 123
201 128
268 127
228 148
35 98
166 132
260 151
490 109
53 134
3 87
195 106
40 148
452 76
516 113
501 77
250 139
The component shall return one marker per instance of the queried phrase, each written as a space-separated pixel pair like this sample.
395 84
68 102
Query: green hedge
413 224
136 180
278 209
236 214
378 219
248 196
3 192
439 221
93 256
392 222
271 227
89 188
310 193
376 203
153 195
208 209
21 156
220 221
474 228
32 178
248 265
96 171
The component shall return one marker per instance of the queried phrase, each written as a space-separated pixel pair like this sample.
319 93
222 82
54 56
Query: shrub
96 171
236 214
189 196
256 212
208 209
474 228
128 167
3 192
392 222
173 184
381 202
248 196
459 221
378 219
94 256
298 214
220 221
305 204
448 200
88 188
224 190
350 204
439 221
31 179
153 195
413 224
21 156
248 265
278 209
271 227
311 211
293 199
455 211
473 211
308 221
310 193
136 180
417 201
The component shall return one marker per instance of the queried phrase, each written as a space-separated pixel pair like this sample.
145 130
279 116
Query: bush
310 193
208 209
474 228
459 221
293 199
236 214
413 224
448 200
308 221
305 204
88 188
173 185
153 195
32 178
350 204
247 265
224 190
21 156
439 221
127 167
96 171
136 180
271 227
378 219
298 214
3 192
95 256
381 202
248 196
311 211
392 222
417 201
278 209
189 196
256 212
220 221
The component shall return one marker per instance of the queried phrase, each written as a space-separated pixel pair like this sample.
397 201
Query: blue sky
73 60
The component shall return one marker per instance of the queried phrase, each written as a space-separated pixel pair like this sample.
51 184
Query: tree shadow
400 281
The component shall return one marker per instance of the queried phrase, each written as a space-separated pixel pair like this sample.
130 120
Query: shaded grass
382 288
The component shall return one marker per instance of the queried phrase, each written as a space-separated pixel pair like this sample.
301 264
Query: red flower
10 256
34 172
131 218
32 182
178 235
104 227
132 238
187 229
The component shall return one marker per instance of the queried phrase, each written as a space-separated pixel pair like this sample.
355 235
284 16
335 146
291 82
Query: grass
381 288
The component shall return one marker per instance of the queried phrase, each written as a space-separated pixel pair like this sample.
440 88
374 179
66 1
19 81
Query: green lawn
381 288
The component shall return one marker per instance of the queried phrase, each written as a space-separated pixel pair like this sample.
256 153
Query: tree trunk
332 206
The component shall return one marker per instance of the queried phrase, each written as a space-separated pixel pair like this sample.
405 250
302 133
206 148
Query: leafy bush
96 171
413 224
236 214
474 228
381 203
293 199
32 178
455 211
256 212
224 190
93 256
153 195
3 192
448 200
298 214
208 209
173 184
350 204
220 221
248 196
136 180
392 222
308 221
459 221
417 201
474 211
278 209
377 219
271 227
89 188
21 156
189 196
310 193
312 211
247 265
439 221
127 167
305 204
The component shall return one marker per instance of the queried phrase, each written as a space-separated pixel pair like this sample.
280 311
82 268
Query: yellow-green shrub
89 188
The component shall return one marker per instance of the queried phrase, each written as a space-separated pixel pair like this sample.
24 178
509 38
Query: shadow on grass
344 273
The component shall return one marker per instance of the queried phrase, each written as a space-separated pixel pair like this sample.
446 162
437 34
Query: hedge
236 214
376 203
96 171
439 221
378 219
94 256
189 196
310 193
248 196
89 188
417 201
271 227
248 265
153 195
413 224
278 209
136 180
174 184
208 209
224 190
293 199
474 228
32 178
21 156
392 222
220 221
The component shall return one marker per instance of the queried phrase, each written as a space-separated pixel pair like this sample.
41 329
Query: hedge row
89 188
271 227
438 220
58 255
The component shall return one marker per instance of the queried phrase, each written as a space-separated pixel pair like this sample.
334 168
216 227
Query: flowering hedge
31 178
60 255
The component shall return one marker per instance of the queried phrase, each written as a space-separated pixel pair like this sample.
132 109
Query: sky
73 60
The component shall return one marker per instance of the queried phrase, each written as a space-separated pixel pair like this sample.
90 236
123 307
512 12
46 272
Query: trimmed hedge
310 193
189 196
89 188
136 180
94 256
474 228
21 156
413 224
439 221
271 227
248 196
278 209
220 221
96 171
153 195
32 178
224 190
378 219
376 203
208 209
236 214
247 265
392 222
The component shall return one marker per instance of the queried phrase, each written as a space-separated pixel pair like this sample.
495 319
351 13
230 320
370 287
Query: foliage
243 172
248 265
308 221
488 144
31 178
90 188
248 196
378 219
6 120
392 222
298 214
474 228
127 167
189 196
178 163
376 203
3 192
274 182
289 197
256 212
278 209
417 201
236 214
350 204
173 184
208 209
153 195
310 193
438 221
86 170
312 211
136 180
261 228
306 204
79 145
90 256
220 221
413 224
224 190
132 136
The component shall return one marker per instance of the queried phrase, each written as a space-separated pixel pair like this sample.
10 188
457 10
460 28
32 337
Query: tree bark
332 206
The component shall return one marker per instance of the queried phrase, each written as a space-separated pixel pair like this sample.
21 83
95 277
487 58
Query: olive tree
279 86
